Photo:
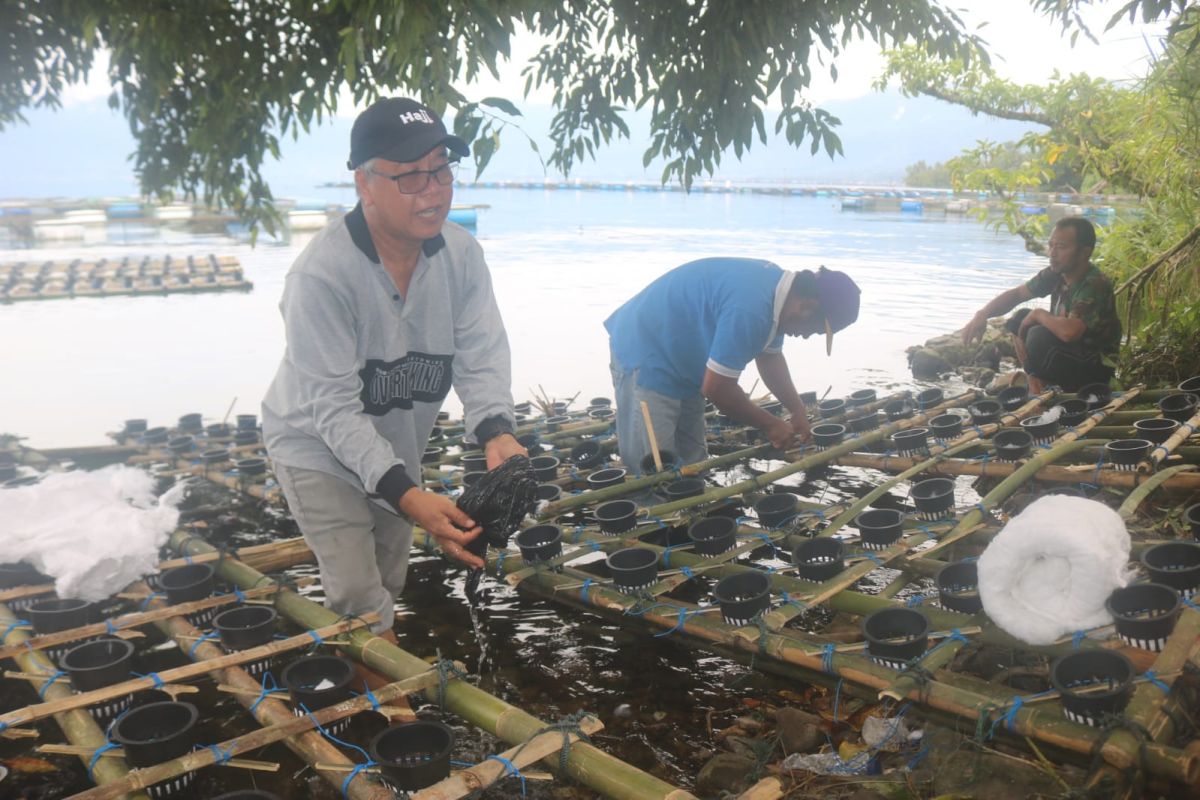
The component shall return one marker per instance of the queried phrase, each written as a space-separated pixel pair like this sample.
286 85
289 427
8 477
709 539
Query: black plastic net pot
1156 430
1012 444
134 427
1192 517
912 441
539 543
928 398
474 462
317 682
180 445
251 467
901 408
1190 386
554 424
214 456
616 516
547 493
603 478
1126 454
187 583
1013 397
1145 614
96 664
471 478
713 536
669 460
1096 395
1074 411
830 408
601 414
880 527
560 407
774 408
633 569
1040 429
432 455
958 587
1179 407
191 423
828 434
861 397
520 408
20 573
1175 564
218 430
776 509
984 412
156 436
531 442
413 755
8 468
155 733
600 401
53 616
934 498
545 468
895 636
587 455
684 487
1093 684
243 438
863 423
245 627
819 559
246 422
946 426
808 398
436 434
743 597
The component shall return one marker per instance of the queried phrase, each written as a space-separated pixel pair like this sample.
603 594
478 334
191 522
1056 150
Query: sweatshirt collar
781 294
360 234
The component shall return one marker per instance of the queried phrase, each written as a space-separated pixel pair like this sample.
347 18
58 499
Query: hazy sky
1026 48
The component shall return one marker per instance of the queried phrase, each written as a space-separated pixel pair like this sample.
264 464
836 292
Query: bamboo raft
1148 742
120 277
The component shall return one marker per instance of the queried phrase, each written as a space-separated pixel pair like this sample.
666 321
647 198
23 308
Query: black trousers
1064 364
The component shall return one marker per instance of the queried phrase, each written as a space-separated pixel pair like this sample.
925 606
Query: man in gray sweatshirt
385 310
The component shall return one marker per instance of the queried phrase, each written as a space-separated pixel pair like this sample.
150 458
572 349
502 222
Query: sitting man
688 336
1076 341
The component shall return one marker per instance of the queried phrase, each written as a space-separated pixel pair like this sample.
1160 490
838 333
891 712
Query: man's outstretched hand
444 521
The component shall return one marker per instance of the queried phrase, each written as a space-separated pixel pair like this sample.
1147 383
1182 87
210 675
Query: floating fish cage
764 553
123 277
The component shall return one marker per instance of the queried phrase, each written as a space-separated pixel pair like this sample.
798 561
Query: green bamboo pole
1129 508
587 764
77 725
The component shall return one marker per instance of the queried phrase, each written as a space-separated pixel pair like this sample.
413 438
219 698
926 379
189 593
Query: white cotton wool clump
93 532
1049 416
1050 570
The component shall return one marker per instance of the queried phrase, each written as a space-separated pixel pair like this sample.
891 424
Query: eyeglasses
415 182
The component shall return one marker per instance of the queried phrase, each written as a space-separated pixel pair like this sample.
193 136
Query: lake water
561 261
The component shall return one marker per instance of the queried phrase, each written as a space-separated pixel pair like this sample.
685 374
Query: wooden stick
119 752
38 711
653 438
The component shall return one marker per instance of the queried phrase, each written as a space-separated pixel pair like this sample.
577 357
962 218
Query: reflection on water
561 261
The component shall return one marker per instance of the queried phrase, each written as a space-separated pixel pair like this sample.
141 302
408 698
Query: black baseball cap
399 129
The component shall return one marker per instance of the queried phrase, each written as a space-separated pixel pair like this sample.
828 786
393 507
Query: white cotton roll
1050 570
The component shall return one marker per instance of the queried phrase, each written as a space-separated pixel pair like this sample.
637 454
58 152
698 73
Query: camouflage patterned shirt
1089 299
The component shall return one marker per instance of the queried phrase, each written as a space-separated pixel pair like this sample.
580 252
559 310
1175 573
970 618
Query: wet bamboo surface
772 642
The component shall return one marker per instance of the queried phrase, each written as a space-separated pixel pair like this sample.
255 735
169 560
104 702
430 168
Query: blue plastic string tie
827 658
593 545
187 559
914 600
109 628
874 559
354 773
207 637
146 601
1077 639
837 698
1099 464
687 572
366 764
1187 602
50 682
240 595
158 682
982 508
683 615
221 756
576 534
316 637
1153 678
509 769
267 691
500 555
970 559
13 626
956 636
583 590
370 696
1010 717
101 750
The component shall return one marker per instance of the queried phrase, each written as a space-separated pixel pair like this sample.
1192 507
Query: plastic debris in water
498 502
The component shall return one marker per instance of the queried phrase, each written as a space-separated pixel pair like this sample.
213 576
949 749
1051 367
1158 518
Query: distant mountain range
84 150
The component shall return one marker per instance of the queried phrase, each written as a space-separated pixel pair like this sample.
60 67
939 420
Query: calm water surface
561 261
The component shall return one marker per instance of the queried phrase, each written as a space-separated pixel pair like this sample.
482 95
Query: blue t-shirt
715 313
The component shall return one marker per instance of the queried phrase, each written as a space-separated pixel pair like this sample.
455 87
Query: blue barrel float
463 215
